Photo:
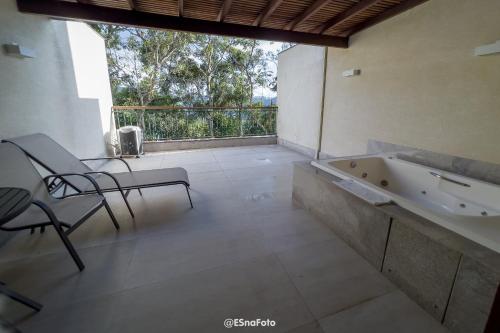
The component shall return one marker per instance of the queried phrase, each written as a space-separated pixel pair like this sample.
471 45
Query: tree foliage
153 67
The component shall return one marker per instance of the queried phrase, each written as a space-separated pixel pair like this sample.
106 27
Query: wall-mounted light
351 72
487 49
19 51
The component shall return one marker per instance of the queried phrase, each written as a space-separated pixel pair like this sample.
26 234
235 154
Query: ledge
169 145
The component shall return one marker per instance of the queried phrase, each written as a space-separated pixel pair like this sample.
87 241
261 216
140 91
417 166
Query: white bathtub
464 205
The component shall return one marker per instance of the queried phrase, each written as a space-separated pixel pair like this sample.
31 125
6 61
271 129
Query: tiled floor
244 251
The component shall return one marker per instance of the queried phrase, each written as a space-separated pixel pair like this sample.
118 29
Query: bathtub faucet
437 175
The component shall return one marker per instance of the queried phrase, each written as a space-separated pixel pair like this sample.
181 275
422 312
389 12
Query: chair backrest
52 156
16 170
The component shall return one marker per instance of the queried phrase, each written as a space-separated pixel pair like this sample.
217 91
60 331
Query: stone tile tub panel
424 269
472 297
361 225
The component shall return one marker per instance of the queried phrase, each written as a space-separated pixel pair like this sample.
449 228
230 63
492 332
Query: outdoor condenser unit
131 141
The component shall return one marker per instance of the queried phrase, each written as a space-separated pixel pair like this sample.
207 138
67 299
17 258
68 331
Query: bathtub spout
437 175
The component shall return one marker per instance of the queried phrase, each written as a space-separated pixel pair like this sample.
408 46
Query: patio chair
56 159
65 213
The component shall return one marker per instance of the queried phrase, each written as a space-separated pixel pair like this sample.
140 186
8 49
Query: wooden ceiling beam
224 10
131 4
180 4
268 11
310 11
91 13
344 16
391 12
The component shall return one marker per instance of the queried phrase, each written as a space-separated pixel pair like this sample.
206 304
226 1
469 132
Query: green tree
153 67
250 61
203 75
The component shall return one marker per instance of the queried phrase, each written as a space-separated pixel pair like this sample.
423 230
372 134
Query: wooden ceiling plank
224 10
268 11
310 11
91 13
387 14
344 16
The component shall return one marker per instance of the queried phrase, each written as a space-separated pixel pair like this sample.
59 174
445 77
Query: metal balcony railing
161 123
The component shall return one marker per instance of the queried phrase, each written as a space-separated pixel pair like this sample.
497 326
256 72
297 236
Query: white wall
300 77
421 85
64 91
92 80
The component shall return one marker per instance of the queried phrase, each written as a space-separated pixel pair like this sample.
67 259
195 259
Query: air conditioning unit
131 141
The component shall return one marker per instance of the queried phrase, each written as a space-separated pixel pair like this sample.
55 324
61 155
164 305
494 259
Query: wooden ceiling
318 22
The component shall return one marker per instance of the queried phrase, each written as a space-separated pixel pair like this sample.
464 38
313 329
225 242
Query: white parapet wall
300 82
63 91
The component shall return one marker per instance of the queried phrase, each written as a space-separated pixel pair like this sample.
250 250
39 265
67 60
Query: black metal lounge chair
56 159
65 213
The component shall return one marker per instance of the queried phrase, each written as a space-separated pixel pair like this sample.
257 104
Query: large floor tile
212 189
257 288
263 184
202 167
231 210
208 176
313 327
174 254
245 163
290 229
265 203
183 158
89 316
54 280
97 230
258 172
332 277
391 313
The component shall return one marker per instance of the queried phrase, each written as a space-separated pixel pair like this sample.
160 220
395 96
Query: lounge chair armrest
109 159
110 175
62 175
48 211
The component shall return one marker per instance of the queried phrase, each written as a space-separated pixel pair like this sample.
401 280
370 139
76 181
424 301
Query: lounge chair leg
189 196
110 212
61 233
69 246
140 192
20 298
124 196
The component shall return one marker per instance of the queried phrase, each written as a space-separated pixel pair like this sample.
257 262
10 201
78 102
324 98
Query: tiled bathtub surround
453 278
485 171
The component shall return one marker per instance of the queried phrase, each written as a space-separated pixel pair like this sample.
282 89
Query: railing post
211 123
187 123
141 120
275 120
241 121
